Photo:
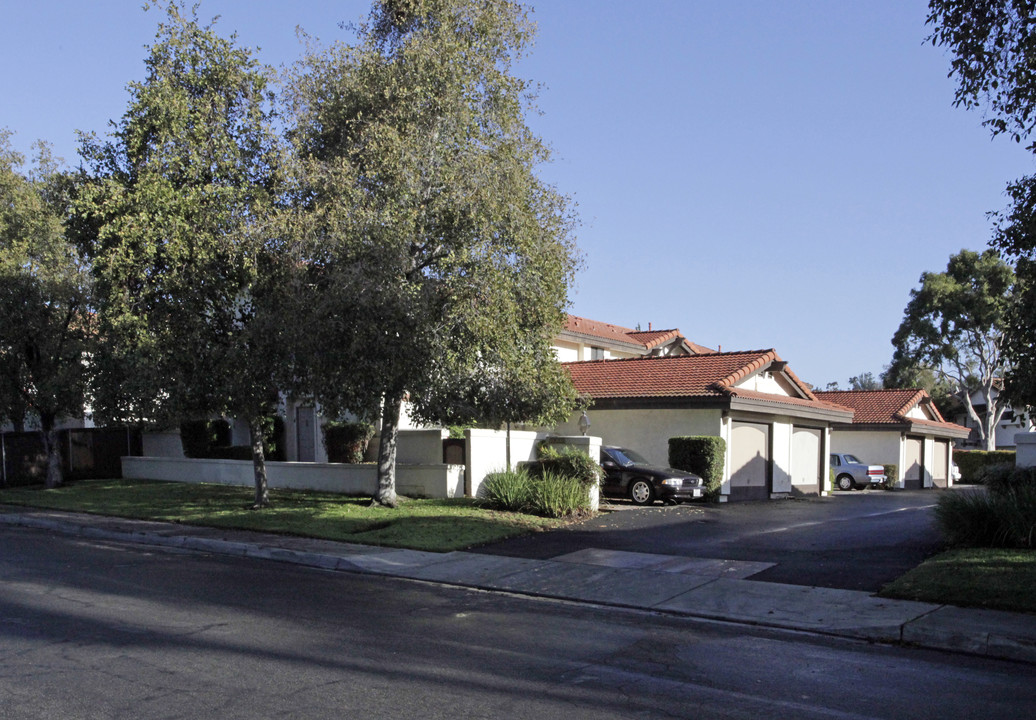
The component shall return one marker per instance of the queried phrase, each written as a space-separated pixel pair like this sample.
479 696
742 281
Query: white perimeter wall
435 481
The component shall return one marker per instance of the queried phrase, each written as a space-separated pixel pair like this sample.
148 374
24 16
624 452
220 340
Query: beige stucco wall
646 431
873 448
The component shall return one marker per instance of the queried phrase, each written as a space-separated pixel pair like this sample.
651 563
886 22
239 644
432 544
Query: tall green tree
954 324
178 212
993 44
46 323
442 260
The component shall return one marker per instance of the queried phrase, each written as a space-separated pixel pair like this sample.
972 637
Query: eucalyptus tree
442 259
46 324
178 211
954 324
993 48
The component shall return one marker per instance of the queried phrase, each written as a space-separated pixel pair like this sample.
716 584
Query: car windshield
627 457
852 459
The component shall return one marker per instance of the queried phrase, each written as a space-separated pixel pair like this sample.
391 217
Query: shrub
210 439
1005 479
554 495
977 519
702 455
231 452
508 490
346 442
544 493
569 462
198 437
891 476
972 463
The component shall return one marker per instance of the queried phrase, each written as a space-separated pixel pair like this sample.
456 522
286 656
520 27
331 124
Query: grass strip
992 578
418 524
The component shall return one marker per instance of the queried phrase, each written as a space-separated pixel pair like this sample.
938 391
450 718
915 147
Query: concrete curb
680 588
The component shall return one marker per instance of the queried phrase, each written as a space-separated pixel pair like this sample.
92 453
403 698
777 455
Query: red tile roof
686 376
673 376
888 407
648 339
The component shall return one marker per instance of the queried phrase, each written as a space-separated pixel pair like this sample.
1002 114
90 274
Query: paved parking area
853 541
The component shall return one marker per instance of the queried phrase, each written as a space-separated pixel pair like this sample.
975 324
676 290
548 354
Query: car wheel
641 492
845 482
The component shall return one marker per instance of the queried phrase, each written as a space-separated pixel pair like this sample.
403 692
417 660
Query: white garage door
749 461
913 472
806 461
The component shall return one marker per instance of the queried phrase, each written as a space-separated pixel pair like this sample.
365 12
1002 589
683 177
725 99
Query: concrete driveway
854 540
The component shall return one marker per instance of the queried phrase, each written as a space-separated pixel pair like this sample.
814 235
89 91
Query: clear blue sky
757 174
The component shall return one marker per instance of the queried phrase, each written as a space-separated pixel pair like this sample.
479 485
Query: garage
749 461
807 461
751 400
897 427
913 463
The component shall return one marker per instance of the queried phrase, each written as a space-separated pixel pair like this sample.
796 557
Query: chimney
649 327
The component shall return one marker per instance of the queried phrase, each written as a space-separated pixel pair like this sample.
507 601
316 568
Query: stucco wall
1025 444
162 444
487 453
438 481
646 431
873 448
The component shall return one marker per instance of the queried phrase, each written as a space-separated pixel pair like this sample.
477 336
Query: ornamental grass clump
1004 515
508 490
554 495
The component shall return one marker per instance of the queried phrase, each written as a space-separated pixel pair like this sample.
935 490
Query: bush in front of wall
702 455
891 476
567 461
346 442
198 437
974 464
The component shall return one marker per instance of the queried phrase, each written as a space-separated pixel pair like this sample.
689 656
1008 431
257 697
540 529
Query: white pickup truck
850 473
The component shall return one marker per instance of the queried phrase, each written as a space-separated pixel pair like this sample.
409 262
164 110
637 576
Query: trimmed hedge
973 463
346 442
702 455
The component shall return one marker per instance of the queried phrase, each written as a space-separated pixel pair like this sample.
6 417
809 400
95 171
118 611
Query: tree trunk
262 492
52 450
386 492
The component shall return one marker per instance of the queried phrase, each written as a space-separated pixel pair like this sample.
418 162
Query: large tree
993 43
442 260
954 324
178 212
46 323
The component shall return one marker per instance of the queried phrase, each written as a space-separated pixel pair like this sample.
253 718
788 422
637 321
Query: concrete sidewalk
691 587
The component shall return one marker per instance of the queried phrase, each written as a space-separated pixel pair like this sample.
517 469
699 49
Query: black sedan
628 474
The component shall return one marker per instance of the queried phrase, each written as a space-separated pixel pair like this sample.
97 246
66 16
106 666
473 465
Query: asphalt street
95 629
853 540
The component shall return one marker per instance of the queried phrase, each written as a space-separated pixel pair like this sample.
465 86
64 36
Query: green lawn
435 525
972 577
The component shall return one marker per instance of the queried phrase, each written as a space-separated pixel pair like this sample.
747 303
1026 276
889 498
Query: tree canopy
46 324
954 324
442 260
993 43
178 214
